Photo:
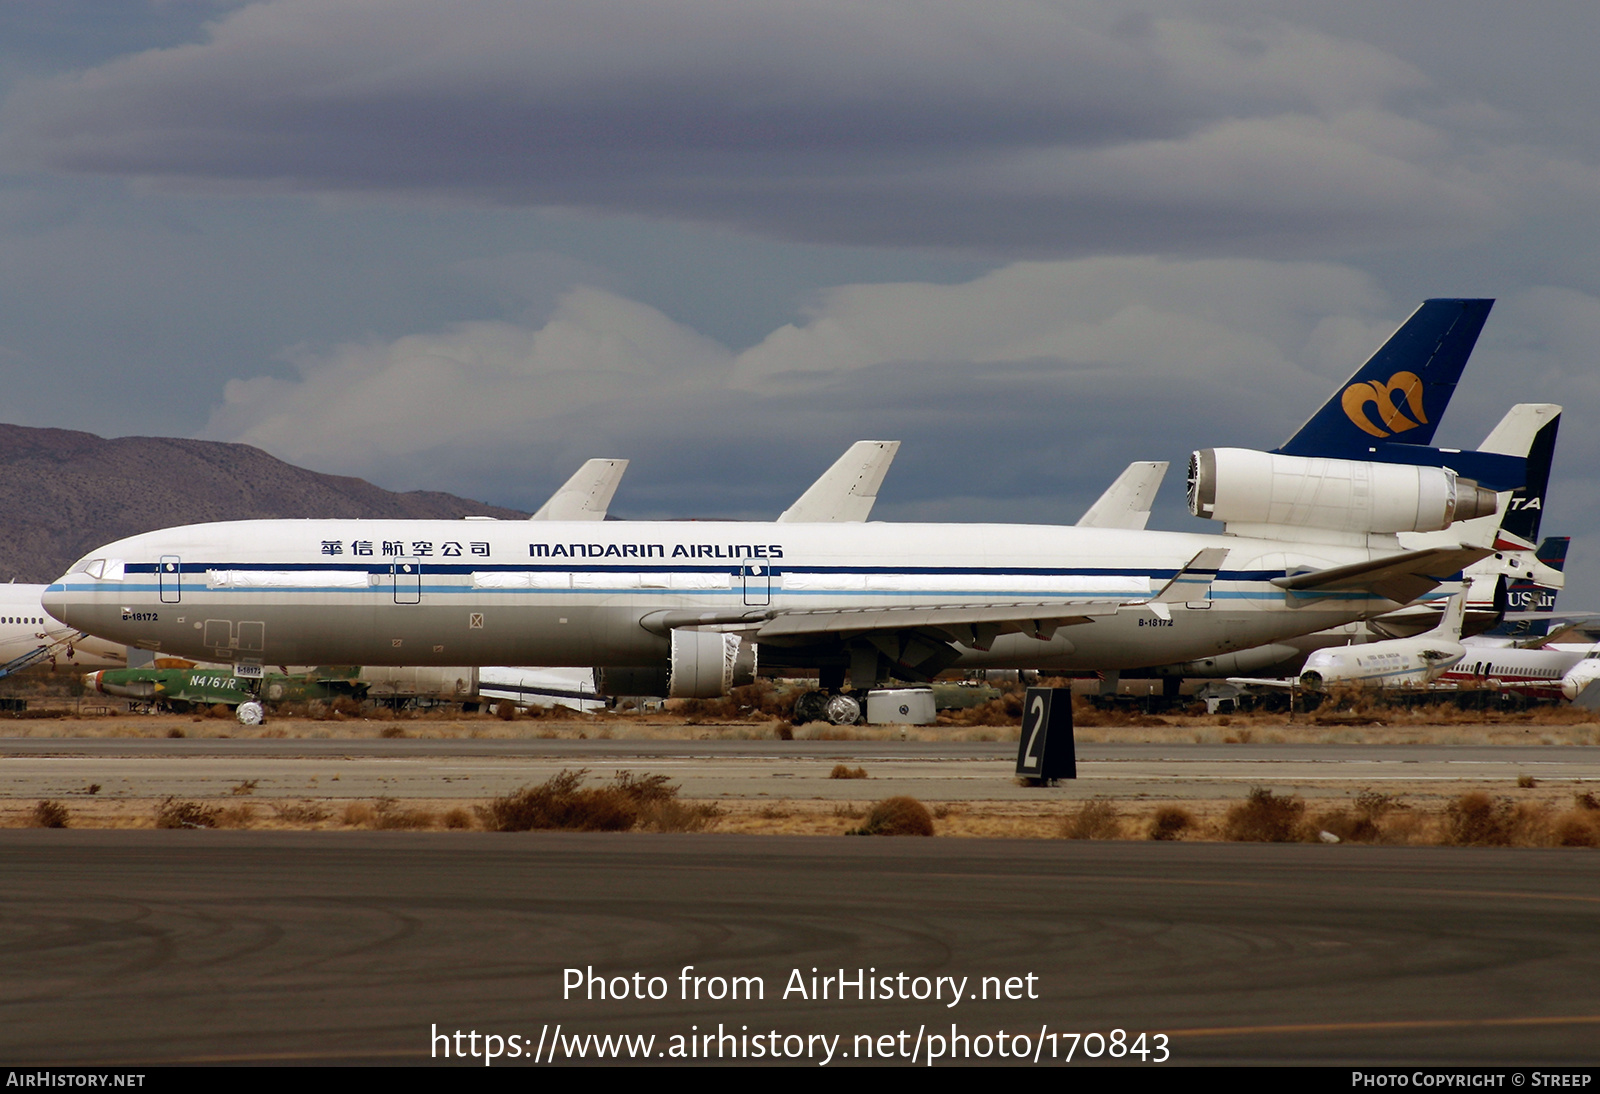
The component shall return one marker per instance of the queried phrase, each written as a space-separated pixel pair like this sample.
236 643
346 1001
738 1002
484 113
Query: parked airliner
683 609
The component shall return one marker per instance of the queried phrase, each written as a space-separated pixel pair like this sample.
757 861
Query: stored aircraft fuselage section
492 593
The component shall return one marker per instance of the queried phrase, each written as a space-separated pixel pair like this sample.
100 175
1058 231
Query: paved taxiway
159 947
932 771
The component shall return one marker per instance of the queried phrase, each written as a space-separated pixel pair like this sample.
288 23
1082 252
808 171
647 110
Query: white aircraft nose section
54 601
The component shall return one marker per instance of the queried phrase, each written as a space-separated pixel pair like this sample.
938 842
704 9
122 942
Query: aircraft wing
1401 578
937 625
1126 502
847 490
969 625
587 494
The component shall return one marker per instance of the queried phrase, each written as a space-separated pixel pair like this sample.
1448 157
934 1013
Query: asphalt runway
932 771
144 948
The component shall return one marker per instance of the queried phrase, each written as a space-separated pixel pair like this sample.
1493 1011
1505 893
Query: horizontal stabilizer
1401 578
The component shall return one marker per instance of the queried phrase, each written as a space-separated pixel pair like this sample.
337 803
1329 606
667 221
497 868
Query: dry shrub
1526 782
1586 800
350 708
177 731
672 815
1170 822
237 816
1093 820
299 813
246 787
1576 828
840 771
784 731
505 710
846 811
1350 827
1264 817
1006 710
458 819
393 732
900 816
219 711
387 814
1477 820
49 814
1363 824
562 802
172 813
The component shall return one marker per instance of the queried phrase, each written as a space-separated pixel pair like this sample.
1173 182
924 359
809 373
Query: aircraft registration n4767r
691 609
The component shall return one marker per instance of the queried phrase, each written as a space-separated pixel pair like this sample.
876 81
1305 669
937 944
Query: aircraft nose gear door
756 576
169 577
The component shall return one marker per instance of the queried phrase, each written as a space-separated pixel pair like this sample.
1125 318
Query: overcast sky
465 246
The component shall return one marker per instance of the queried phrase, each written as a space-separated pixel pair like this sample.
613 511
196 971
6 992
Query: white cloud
1117 348
364 405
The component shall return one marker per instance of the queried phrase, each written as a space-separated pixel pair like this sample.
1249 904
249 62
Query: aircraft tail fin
1524 510
1403 389
1126 502
1455 614
847 490
587 494
1553 552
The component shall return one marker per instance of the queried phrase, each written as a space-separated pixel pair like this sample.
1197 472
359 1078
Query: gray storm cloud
1016 126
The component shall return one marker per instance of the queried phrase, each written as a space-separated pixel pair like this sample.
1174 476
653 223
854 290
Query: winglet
587 495
1191 584
1126 502
846 491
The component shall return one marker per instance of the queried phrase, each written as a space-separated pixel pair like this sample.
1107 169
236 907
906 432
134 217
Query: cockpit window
101 569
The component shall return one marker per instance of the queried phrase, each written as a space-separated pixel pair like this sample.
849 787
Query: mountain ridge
64 492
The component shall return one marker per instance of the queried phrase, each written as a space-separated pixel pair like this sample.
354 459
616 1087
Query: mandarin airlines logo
1385 399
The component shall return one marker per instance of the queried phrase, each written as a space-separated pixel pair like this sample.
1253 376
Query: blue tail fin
1526 508
1400 394
1553 552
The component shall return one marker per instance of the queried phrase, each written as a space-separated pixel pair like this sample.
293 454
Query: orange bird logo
1386 398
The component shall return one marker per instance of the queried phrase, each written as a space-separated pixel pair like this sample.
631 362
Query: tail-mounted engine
1239 485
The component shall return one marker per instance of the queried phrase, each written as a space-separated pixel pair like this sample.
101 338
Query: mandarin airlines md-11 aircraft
682 609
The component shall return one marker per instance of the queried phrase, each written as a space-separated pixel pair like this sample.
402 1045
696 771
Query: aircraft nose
91 680
55 601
